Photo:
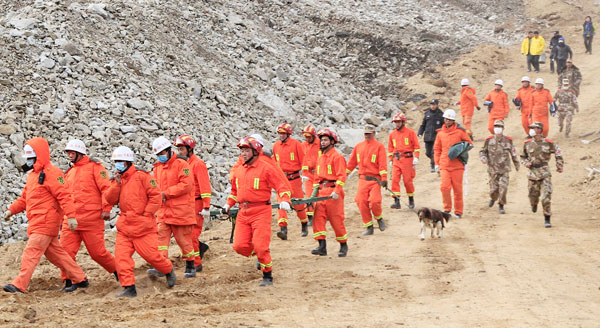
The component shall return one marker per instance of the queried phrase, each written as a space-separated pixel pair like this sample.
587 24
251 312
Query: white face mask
497 130
532 132
565 87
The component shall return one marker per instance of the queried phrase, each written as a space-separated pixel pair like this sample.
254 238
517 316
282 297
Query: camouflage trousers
544 187
568 116
498 187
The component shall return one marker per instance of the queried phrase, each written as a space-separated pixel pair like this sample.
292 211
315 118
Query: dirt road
489 270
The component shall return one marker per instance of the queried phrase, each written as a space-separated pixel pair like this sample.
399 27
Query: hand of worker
390 163
105 216
384 184
484 160
284 206
7 215
225 210
117 177
72 222
478 108
334 195
437 168
304 179
415 161
205 212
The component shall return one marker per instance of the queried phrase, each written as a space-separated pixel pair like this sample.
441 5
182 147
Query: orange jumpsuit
138 198
202 195
331 177
500 107
88 181
252 190
539 112
467 102
525 96
403 145
176 215
371 159
289 155
451 170
311 154
45 205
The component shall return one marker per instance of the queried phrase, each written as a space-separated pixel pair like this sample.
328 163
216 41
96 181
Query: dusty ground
488 270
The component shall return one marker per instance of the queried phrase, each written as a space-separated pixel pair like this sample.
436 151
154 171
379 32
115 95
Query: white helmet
28 152
539 80
258 138
123 153
525 79
76 145
464 82
450 114
159 144
499 82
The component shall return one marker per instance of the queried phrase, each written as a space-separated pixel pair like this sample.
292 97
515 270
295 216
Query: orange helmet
284 128
185 140
329 133
400 117
250 142
309 130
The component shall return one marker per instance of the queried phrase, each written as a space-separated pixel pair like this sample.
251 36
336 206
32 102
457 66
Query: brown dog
434 219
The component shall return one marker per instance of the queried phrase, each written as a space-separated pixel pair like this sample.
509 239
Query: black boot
396 204
129 291
310 219
282 234
368 231
68 283
381 224
198 268
501 209
11 289
116 275
411 202
304 229
432 169
322 249
155 273
491 203
343 249
203 248
73 287
534 208
267 279
190 270
547 223
171 278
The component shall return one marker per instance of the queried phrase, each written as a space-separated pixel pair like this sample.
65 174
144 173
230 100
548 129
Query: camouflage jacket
497 152
572 74
536 155
567 100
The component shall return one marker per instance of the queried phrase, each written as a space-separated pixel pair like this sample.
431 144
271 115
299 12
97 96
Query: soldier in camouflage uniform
573 74
567 105
536 155
497 152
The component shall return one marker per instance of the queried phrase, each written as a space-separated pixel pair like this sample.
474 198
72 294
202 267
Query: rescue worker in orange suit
371 159
499 105
176 215
451 170
311 154
46 199
251 189
202 194
88 181
525 102
541 98
403 151
138 197
467 102
331 177
289 155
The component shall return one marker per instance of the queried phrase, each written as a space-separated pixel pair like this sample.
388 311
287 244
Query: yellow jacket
537 46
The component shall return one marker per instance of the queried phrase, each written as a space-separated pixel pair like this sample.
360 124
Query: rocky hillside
125 72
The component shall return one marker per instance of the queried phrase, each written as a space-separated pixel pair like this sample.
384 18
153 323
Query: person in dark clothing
553 43
432 121
561 53
589 29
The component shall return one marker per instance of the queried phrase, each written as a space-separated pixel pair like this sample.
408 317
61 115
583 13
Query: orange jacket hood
42 151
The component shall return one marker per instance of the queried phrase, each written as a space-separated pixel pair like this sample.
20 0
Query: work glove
225 209
304 179
285 206
334 195
384 184
390 163
415 161
437 168
105 216
7 215
205 213
72 222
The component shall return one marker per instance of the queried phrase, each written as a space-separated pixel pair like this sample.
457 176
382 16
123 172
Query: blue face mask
120 166
163 158
30 162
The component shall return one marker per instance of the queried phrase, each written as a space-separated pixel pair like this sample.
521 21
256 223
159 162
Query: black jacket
432 121
562 53
554 41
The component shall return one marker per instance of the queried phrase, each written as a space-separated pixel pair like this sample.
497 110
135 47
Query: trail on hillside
488 270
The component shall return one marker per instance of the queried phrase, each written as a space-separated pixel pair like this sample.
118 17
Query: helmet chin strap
251 159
